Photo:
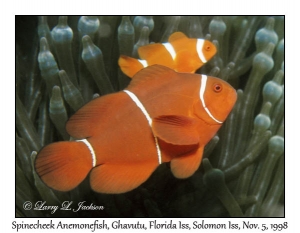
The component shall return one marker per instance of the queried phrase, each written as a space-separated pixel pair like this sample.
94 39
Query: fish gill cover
64 62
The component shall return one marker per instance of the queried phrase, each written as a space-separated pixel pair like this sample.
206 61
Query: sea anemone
64 62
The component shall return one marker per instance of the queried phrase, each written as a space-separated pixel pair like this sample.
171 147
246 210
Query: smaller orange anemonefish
181 54
121 138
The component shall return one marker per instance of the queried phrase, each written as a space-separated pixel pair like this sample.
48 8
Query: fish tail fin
63 165
130 66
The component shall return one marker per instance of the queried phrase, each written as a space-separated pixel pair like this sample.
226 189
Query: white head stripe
144 111
143 62
89 146
170 49
200 43
202 90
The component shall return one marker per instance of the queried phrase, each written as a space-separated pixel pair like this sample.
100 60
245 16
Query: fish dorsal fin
176 129
87 120
177 36
152 73
185 166
151 50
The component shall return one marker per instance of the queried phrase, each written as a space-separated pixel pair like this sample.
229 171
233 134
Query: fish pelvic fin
185 166
120 178
63 165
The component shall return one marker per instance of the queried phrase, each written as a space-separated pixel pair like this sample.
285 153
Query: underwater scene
197 132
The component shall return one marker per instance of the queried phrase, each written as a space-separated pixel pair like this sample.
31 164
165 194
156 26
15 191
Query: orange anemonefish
181 54
123 137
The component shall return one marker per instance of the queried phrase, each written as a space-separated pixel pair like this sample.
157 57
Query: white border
11 8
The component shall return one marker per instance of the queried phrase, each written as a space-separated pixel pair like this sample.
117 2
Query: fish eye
207 48
217 87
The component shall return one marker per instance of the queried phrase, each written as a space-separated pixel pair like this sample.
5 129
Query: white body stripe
202 90
140 105
170 49
144 111
89 146
143 62
200 43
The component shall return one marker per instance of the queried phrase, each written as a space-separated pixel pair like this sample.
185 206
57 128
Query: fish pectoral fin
185 166
120 178
184 62
176 129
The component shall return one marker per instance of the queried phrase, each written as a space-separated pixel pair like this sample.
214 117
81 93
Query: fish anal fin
129 66
120 178
186 165
177 36
176 129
